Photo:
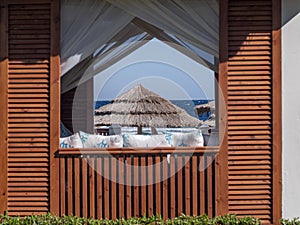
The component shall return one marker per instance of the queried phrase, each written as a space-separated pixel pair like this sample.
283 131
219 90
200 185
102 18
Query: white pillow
145 141
100 141
193 138
72 141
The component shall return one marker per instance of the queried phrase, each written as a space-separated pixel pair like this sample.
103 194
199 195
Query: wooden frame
276 112
4 105
222 162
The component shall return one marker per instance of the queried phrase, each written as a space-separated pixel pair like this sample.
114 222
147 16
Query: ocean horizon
187 105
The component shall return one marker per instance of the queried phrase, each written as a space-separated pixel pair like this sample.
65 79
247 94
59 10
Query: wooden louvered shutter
251 85
30 63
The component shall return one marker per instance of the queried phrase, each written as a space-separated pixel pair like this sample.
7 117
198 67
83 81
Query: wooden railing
116 183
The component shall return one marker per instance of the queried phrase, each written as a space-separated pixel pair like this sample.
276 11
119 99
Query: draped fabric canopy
95 34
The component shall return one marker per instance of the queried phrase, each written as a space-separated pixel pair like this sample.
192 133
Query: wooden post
54 105
276 112
222 173
140 130
4 104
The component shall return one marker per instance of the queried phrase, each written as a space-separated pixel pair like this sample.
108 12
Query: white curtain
194 53
97 33
189 50
126 41
86 25
193 21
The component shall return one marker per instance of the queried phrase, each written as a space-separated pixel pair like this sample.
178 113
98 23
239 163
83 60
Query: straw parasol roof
205 108
141 107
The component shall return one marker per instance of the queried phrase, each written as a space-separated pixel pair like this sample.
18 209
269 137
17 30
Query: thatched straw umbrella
205 108
140 107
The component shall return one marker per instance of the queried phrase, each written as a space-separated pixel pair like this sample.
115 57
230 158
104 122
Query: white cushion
100 141
72 141
145 141
193 138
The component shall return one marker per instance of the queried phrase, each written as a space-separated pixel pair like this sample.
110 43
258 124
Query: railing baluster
136 199
202 185
143 176
122 202
194 183
99 188
151 183
157 186
91 188
165 190
62 186
128 187
84 187
70 188
179 185
187 185
107 204
114 193
77 185
172 187
209 186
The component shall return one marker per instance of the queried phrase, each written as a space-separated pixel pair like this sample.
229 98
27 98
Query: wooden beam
54 105
277 113
4 103
222 173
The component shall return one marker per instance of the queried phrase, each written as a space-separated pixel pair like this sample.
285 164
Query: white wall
291 107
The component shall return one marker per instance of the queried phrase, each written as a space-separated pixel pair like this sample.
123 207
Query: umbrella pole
140 131
153 130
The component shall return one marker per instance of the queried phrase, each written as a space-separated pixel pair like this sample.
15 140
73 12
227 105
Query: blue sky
160 68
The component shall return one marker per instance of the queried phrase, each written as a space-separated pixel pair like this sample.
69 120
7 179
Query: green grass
73 220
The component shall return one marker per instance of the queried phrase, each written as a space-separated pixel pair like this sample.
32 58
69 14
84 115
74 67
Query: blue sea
187 105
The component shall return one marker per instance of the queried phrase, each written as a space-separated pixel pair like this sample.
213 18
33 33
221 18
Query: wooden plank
172 187
76 186
179 185
99 188
165 187
143 202
158 191
107 203
121 183
113 188
27 194
195 187
128 187
208 150
4 103
62 187
70 173
210 186
150 182
202 184
187 183
92 188
84 183
136 187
